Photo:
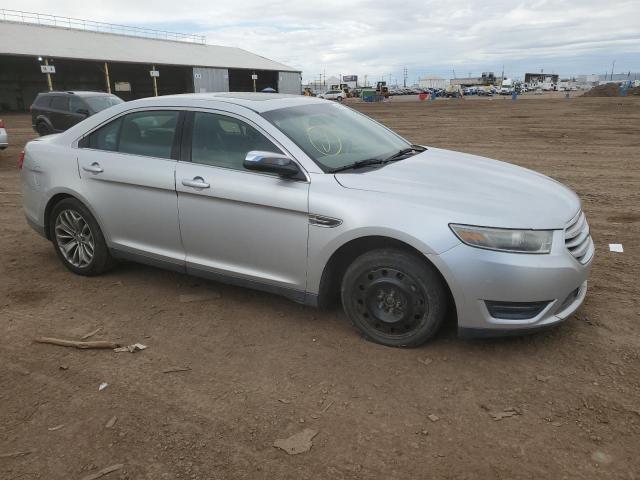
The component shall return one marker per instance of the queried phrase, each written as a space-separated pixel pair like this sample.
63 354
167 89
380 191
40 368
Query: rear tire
394 297
43 129
78 240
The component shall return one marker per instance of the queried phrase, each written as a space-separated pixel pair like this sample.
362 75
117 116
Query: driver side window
224 141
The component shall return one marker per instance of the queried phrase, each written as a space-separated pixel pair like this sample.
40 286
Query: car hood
471 190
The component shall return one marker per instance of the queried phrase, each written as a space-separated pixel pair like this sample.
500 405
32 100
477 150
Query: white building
432 81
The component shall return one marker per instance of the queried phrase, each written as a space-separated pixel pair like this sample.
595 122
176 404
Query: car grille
577 238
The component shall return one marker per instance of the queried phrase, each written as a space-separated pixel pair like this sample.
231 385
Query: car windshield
101 102
335 136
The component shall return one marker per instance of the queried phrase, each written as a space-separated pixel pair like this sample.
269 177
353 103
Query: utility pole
612 67
405 74
106 77
155 82
49 82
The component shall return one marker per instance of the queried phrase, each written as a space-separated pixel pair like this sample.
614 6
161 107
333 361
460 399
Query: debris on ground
177 369
104 471
57 427
425 361
433 418
601 458
616 247
64 367
91 334
100 344
506 413
284 400
136 347
102 386
111 422
543 378
327 407
17 454
299 443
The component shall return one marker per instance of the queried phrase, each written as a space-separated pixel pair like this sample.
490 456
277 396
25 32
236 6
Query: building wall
289 82
210 80
432 83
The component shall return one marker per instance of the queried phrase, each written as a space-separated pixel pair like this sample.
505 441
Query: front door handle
197 182
93 168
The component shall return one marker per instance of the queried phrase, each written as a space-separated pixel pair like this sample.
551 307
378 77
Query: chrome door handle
197 182
93 168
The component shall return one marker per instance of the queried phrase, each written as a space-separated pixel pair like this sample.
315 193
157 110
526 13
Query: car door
127 169
58 112
235 223
78 111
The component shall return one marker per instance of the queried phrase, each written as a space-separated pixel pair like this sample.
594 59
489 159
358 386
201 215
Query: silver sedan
309 199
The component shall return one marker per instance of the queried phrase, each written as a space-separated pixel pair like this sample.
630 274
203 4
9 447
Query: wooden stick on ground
76 344
91 334
16 454
176 369
103 472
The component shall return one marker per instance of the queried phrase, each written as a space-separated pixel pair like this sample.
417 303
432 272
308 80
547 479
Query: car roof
258 102
80 93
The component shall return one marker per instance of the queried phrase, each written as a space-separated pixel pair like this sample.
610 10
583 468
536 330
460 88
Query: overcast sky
381 37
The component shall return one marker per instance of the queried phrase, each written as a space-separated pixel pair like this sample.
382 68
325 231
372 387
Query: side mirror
270 162
83 111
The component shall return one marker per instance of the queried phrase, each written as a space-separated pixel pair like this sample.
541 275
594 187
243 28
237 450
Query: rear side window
60 103
42 101
150 134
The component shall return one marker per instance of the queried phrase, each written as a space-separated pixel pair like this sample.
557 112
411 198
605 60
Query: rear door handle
93 168
197 182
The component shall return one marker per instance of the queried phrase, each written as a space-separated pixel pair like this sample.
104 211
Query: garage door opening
240 80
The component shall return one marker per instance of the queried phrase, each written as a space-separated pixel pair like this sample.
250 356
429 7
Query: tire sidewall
427 280
101 258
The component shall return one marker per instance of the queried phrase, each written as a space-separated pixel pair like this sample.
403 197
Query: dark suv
54 112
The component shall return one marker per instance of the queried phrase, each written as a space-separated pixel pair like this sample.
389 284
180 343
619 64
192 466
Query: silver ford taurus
312 200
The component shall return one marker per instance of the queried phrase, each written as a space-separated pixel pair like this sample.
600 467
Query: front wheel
78 240
395 298
339 99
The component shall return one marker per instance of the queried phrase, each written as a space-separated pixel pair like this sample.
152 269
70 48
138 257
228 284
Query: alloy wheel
74 238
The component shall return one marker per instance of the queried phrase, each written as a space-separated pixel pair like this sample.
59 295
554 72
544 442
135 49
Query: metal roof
56 42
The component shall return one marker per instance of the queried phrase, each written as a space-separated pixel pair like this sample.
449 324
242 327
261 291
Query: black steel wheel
395 298
42 128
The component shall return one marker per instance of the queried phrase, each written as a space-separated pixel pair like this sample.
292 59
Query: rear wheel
42 128
395 298
78 240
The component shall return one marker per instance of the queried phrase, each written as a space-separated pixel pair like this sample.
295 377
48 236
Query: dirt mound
609 90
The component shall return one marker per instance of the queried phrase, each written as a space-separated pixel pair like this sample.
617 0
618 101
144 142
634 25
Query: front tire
395 298
78 240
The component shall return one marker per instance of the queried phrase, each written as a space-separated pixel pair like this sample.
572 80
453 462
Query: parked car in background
4 138
333 95
317 202
54 112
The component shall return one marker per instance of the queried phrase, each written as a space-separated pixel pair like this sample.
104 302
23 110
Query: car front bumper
476 276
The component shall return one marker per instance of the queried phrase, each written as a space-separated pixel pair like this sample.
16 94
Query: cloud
379 38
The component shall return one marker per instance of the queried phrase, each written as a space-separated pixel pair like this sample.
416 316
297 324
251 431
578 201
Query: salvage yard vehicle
4 138
54 112
314 201
333 95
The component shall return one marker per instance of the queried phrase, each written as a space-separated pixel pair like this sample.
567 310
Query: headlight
505 240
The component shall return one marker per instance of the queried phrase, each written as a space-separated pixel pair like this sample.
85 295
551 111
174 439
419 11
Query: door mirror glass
270 162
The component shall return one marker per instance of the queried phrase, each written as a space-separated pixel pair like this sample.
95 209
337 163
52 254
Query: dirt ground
263 368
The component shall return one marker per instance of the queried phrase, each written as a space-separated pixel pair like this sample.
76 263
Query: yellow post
155 83
106 77
49 82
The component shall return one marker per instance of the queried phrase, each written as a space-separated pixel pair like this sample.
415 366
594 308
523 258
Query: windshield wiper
406 151
376 161
358 164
